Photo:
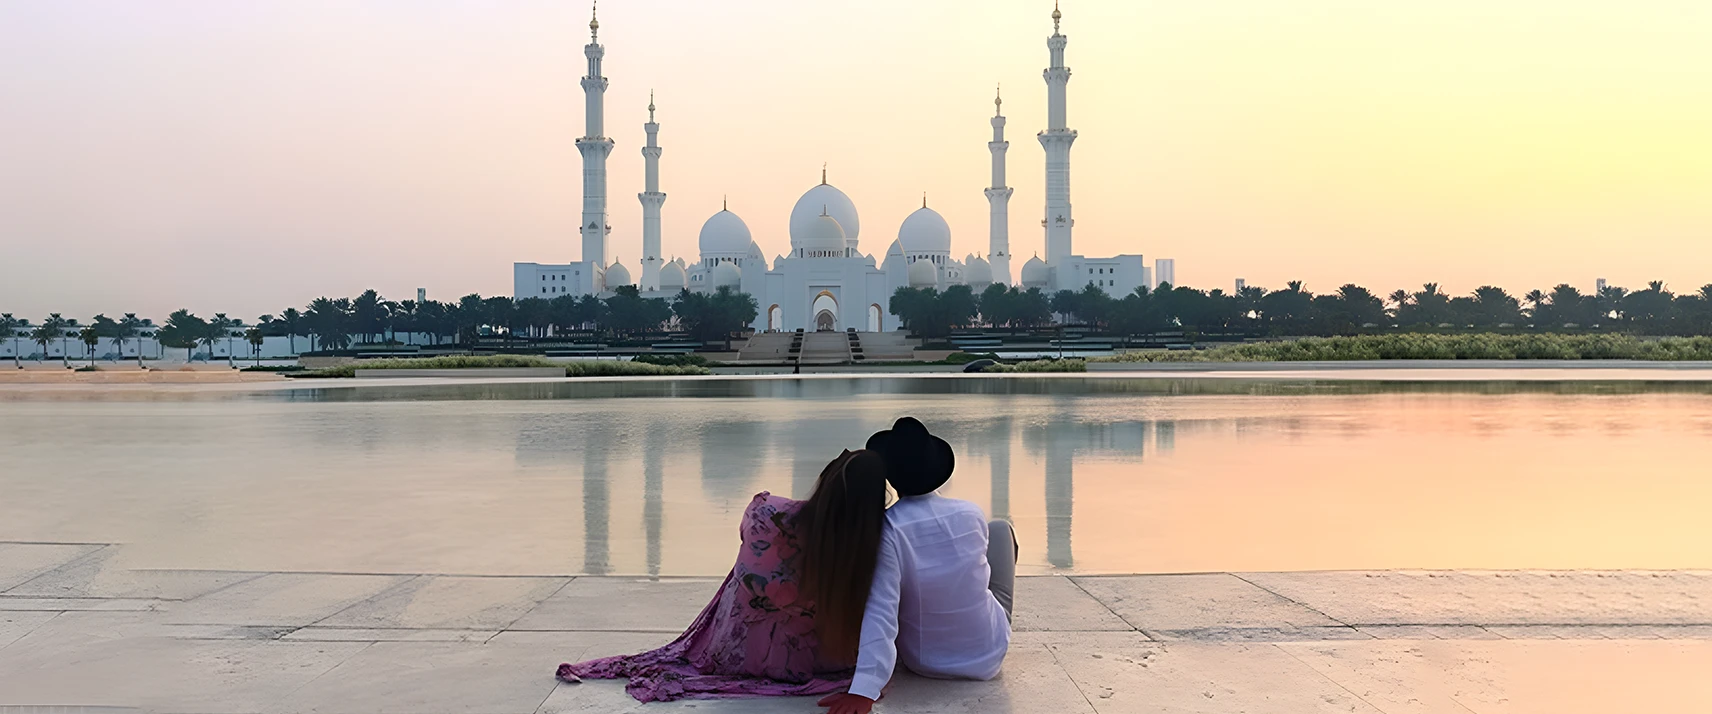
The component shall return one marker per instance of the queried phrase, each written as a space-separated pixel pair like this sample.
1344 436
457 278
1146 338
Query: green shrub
673 360
966 357
1411 346
583 368
1040 366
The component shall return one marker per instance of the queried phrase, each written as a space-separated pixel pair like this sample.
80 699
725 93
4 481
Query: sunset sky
243 157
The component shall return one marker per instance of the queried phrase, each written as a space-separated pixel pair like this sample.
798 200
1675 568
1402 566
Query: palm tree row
1296 311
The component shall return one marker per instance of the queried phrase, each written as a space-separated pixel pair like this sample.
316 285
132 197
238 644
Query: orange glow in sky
243 157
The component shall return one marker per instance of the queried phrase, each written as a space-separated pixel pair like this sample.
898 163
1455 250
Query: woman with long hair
788 618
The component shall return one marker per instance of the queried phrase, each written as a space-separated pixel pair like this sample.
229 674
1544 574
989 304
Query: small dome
672 276
823 238
922 274
725 235
978 273
830 201
617 275
727 275
925 231
755 251
1034 273
897 248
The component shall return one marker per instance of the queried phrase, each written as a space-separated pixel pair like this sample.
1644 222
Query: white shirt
929 604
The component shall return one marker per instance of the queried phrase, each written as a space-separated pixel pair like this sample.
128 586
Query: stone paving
78 629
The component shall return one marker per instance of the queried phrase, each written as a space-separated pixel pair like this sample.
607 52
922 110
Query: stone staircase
825 348
767 347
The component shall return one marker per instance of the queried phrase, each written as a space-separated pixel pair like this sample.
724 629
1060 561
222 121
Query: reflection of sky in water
1172 476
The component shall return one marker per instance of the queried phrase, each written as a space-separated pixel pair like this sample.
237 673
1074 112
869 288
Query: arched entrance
825 311
874 322
775 319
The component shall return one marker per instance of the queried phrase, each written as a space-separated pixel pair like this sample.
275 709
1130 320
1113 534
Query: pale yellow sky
243 157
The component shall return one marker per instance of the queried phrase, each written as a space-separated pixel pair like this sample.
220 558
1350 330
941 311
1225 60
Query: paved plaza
78 628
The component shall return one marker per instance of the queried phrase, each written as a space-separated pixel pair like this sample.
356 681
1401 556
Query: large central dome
925 231
830 201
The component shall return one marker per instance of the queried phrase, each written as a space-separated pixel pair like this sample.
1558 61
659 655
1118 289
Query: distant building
1164 271
1241 284
1599 286
421 295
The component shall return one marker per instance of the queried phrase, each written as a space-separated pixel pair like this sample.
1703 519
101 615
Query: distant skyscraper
1241 284
1164 271
421 295
1599 286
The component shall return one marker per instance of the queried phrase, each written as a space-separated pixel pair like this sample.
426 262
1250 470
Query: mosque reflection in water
736 458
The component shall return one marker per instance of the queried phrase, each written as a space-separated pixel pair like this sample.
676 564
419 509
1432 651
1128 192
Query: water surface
1100 475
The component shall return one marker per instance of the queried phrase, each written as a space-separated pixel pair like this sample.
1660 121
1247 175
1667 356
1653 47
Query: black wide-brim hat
917 462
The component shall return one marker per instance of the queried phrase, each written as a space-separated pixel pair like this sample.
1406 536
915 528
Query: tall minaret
1057 140
652 199
595 147
998 201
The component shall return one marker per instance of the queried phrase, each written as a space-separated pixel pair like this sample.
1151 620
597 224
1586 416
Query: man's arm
877 654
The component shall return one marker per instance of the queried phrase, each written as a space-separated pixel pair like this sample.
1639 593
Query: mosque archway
875 322
825 311
775 318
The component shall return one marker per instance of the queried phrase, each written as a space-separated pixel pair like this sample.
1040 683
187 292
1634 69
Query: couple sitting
829 593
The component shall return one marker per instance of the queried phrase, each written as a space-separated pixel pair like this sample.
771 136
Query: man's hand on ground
846 703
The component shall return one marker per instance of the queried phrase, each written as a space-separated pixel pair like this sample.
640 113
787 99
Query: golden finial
924 199
594 21
724 203
650 105
1055 15
823 173
998 100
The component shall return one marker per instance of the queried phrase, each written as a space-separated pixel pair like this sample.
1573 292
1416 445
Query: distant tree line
339 323
1296 311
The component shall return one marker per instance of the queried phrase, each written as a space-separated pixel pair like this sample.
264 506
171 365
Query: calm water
1099 475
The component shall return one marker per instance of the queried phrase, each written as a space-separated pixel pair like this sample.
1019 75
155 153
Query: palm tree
90 337
1535 298
256 338
219 328
10 327
293 325
51 329
129 328
1399 301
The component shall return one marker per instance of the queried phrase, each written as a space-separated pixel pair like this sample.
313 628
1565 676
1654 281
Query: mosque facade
825 281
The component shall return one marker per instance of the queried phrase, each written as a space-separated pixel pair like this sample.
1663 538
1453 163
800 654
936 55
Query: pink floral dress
755 639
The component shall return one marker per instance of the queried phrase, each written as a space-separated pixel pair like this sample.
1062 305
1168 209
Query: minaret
652 199
1057 140
595 147
998 201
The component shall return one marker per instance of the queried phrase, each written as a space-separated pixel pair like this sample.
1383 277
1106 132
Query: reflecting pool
1100 475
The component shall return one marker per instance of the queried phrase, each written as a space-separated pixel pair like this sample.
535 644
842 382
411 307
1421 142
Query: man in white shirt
942 591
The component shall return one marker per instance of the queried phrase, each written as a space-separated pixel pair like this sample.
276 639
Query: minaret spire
652 199
999 199
1056 140
823 173
595 147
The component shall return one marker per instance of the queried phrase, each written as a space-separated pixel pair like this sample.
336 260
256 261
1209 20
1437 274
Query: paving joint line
1121 618
1304 605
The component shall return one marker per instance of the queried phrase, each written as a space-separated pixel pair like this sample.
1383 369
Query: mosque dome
925 231
617 275
672 277
823 238
824 199
727 275
755 251
1034 273
978 273
922 274
726 235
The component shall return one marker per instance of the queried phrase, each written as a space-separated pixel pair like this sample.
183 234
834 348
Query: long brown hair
839 527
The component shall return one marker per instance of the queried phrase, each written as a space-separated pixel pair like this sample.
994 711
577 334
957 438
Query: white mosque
825 282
